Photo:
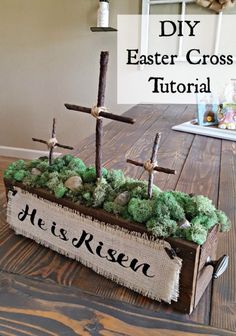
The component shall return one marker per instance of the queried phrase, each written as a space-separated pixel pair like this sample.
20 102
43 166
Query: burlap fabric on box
127 258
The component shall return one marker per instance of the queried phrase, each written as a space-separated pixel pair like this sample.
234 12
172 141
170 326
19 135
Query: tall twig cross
152 165
99 111
52 142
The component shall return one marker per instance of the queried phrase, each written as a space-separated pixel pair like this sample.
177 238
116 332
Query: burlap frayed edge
98 270
140 238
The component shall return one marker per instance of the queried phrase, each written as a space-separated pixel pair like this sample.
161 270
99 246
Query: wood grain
197 161
29 307
223 307
4 162
33 261
188 251
113 131
200 175
174 146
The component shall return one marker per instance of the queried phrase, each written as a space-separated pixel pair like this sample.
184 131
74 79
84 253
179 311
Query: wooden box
195 274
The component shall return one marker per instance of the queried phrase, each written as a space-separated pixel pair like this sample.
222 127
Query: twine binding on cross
52 142
96 110
149 166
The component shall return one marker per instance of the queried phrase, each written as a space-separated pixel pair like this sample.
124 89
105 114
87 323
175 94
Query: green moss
104 173
88 187
199 204
33 164
124 213
31 180
161 214
139 192
8 174
67 158
163 227
89 175
42 166
59 162
140 210
19 175
196 233
114 208
182 198
166 204
54 174
77 165
161 210
155 191
116 178
108 206
16 171
206 221
53 183
138 189
223 220
59 191
18 165
87 198
66 174
99 193
43 179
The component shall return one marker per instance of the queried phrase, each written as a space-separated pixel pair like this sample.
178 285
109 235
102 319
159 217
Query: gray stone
73 183
184 224
123 198
36 172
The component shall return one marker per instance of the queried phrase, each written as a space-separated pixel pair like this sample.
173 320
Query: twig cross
99 111
152 165
52 142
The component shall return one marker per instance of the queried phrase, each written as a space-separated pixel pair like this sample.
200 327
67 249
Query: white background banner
152 68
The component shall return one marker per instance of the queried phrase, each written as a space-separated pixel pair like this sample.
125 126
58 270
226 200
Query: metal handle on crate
219 266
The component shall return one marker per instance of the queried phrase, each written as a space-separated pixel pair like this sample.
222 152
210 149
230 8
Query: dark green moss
114 208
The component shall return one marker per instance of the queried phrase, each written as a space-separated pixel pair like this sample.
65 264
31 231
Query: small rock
184 224
36 172
123 198
73 183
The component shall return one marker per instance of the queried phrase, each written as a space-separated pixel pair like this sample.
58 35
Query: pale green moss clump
122 196
164 227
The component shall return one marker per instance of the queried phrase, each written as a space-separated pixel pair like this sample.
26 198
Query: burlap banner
127 258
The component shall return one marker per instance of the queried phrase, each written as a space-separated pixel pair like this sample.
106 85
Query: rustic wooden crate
195 275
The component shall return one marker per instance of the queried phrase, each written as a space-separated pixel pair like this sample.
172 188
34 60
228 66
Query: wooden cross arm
102 114
64 146
159 169
40 140
56 145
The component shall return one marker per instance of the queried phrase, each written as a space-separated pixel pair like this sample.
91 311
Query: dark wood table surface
44 293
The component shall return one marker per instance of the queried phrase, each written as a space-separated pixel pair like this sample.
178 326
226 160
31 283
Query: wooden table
43 293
